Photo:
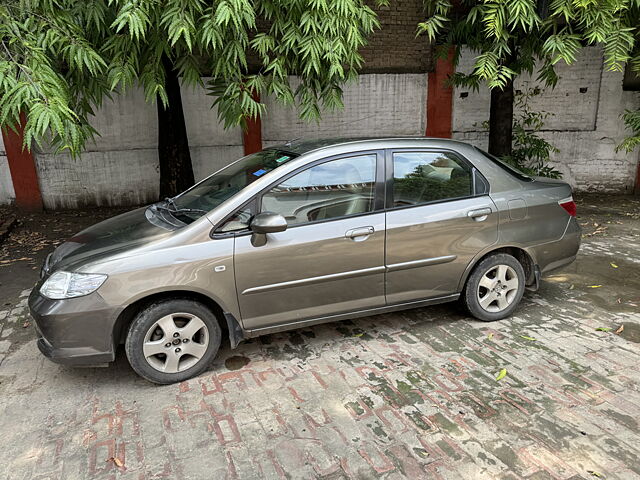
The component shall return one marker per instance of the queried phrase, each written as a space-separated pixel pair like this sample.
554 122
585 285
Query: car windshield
211 192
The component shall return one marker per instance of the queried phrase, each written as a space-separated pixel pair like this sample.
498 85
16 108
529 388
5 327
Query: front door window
334 189
239 220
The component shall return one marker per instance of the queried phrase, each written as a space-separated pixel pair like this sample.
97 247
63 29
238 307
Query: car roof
302 146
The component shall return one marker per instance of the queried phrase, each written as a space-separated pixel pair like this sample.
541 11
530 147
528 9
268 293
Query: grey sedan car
299 234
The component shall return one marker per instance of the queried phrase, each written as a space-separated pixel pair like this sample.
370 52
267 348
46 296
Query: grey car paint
118 234
331 273
429 246
308 273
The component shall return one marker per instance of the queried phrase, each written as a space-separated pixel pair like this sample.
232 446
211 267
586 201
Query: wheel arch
230 326
526 260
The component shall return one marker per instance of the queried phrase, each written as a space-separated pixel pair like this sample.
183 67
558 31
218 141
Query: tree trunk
501 120
176 171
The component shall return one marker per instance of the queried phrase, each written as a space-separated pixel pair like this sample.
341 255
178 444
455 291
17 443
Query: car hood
117 234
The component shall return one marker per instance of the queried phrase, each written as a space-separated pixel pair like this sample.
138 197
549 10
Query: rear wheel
172 340
494 288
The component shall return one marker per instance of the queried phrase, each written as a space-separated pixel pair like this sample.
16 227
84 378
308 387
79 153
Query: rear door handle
359 232
480 214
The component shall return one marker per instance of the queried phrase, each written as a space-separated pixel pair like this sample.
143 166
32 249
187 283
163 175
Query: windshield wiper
181 210
172 202
176 209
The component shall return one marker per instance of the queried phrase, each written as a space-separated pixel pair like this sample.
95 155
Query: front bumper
75 331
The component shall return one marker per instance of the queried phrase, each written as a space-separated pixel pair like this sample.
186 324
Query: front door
439 217
330 260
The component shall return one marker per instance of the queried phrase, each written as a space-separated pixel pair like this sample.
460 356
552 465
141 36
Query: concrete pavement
404 395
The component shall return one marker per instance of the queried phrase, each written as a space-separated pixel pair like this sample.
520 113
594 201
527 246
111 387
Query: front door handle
480 214
359 232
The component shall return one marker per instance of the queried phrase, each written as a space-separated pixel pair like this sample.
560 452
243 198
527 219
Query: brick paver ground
404 395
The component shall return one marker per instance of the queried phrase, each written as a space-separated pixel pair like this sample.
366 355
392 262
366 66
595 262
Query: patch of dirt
236 362
7 222
630 331
33 237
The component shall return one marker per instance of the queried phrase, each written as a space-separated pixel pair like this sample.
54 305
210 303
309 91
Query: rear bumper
77 331
553 255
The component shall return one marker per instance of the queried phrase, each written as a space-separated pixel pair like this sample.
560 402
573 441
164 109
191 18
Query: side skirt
344 316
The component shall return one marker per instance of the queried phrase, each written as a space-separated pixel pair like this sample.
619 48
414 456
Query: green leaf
528 338
603 329
502 374
631 119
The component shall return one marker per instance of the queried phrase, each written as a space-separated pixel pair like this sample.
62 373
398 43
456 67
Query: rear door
330 260
439 216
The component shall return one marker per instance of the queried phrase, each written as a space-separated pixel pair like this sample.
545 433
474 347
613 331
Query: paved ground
407 395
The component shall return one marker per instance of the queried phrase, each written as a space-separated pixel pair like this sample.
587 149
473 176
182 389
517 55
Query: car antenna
288 144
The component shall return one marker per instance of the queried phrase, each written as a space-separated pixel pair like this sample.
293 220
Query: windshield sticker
282 159
262 171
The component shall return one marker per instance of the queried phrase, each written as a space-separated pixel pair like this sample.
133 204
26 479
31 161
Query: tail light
569 205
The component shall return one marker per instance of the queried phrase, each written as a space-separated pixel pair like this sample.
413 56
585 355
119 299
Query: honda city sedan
300 234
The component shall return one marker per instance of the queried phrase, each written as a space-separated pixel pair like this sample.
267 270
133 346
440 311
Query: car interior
328 190
428 177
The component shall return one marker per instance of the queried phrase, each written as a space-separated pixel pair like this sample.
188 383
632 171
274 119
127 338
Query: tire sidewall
470 293
147 317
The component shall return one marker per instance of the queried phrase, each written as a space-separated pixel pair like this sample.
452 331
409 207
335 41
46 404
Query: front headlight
62 285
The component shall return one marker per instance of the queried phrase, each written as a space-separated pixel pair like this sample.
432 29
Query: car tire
494 288
172 340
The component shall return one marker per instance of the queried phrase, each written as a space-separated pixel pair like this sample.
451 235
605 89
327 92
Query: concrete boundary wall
121 166
7 194
374 105
585 123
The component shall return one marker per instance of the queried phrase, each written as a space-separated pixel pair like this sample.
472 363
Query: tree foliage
60 58
531 152
632 121
512 37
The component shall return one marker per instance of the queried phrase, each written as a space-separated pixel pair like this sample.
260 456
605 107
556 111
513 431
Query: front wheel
494 288
172 340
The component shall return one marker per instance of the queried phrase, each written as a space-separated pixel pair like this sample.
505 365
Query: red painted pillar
252 136
440 99
23 168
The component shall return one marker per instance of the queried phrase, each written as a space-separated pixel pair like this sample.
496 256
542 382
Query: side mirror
263 223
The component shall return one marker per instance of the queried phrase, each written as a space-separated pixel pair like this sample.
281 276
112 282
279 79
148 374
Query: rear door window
425 177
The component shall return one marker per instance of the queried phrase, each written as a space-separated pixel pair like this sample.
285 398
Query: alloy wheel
176 342
497 288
